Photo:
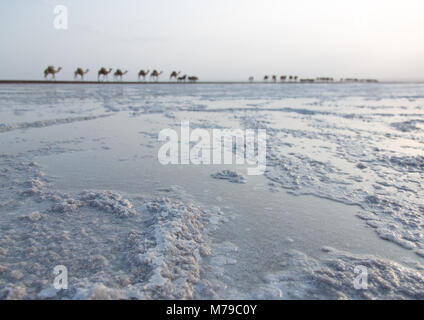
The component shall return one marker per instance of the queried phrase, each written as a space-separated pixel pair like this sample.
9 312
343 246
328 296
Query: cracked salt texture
334 277
161 258
47 123
355 144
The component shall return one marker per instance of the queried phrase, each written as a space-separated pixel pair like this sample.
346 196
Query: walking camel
118 74
143 74
266 78
174 75
193 79
80 72
182 78
51 70
154 76
103 72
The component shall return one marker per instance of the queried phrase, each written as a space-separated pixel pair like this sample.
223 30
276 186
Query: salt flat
81 186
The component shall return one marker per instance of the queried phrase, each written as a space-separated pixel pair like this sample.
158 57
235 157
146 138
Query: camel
143 74
295 78
51 70
193 79
174 74
155 75
283 78
251 79
274 78
266 78
103 72
118 74
183 78
80 72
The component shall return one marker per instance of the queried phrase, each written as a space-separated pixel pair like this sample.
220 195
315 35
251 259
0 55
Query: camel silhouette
103 72
154 76
51 70
182 78
118 74
143 74
174 75
80 72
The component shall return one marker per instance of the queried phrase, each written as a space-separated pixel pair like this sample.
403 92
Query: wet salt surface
80 186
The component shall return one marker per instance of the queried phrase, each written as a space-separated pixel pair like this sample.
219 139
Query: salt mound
407 126
408 163
229 175
67 205
109 201
334 277
170 248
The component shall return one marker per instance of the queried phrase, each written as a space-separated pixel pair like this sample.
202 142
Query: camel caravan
295 79
103 75
274 78
175 76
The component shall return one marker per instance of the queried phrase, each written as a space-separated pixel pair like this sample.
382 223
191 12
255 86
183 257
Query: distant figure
154 76
51 70
295 78
266 78
290 78
182 79
274 78
143 74
103 72
251 79
81 73
174 75
325 79
283 78
118 74
193 79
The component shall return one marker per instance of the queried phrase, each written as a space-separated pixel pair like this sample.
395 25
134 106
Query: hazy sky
216 39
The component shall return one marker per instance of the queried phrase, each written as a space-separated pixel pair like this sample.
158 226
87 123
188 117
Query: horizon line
6 81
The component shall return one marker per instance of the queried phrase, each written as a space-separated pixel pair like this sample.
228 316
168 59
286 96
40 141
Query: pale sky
216 39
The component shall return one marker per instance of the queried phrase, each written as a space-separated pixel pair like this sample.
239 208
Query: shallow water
342 188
